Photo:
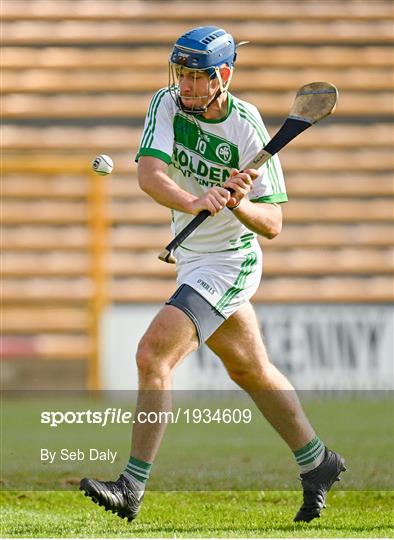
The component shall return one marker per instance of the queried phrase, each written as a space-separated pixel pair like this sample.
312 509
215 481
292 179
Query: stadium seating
77 83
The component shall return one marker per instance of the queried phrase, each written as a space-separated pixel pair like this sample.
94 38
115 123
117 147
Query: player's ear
225 72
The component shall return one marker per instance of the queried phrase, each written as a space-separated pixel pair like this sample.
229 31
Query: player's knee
149 360
249 377
241 376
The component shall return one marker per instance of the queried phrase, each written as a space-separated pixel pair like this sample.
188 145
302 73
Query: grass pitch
197 514
251 456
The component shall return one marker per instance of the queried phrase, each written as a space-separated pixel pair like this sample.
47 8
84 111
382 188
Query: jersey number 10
201 145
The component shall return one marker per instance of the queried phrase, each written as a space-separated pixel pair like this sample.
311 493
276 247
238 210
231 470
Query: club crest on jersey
223 152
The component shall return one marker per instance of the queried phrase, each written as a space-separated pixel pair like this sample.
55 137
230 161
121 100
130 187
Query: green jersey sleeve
158 136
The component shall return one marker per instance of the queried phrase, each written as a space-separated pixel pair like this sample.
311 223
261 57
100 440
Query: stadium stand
77 82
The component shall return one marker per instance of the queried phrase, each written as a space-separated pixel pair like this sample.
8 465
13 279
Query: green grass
231 457
197 514
245 462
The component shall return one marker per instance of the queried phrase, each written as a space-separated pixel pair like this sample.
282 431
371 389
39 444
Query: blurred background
81 278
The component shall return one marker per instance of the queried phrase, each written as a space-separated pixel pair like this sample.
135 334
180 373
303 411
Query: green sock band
138 469
311 455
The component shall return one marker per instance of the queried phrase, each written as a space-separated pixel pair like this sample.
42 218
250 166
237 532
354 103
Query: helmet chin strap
200 110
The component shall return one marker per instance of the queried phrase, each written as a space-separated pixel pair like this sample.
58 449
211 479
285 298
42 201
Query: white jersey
201 154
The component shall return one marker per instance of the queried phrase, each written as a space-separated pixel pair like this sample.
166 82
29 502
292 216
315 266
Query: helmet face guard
201 99
204 49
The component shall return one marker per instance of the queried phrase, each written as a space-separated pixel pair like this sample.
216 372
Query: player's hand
241 183
213 200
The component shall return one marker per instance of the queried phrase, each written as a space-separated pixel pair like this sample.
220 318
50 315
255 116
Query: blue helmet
205 47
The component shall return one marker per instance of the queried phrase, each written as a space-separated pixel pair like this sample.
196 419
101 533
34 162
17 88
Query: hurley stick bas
313 102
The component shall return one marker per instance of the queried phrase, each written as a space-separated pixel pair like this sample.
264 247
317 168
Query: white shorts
226 279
